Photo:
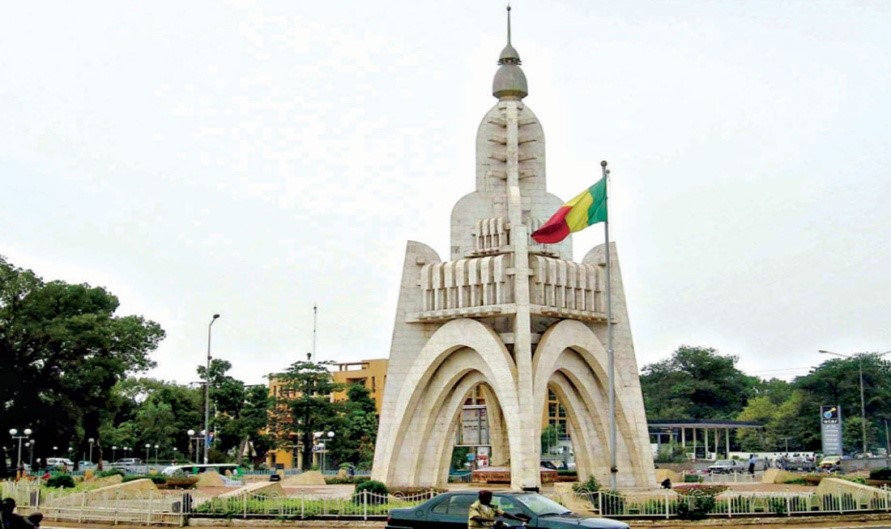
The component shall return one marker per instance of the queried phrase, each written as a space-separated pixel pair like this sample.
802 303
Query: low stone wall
270 488
864 495
663 473
502 475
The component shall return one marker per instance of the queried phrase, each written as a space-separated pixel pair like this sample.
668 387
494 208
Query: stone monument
510 319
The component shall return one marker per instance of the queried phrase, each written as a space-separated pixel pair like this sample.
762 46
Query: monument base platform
502 475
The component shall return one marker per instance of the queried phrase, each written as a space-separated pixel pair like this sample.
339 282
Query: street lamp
148 447
207 391
156 454
113 450
30 446
196 439
859 358
322 445
174 455
91 441
14 433
55 449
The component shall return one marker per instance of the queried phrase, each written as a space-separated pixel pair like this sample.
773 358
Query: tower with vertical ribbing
511 320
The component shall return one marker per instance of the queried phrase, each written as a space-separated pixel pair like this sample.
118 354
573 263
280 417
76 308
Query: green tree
696 383
62 351
226 400
243 428
304 406
837 381
357 431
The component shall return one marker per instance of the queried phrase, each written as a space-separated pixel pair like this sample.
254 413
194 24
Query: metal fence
174 507
731 477
730 504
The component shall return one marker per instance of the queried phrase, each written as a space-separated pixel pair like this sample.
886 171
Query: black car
449 511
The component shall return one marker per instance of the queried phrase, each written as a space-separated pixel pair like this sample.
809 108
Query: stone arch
431 381
571 349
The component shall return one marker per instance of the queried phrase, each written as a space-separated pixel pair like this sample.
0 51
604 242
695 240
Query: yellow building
370 373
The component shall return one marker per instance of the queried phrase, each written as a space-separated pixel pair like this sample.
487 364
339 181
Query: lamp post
196 439
207 391
91 441
148 448
156 454
25 434
859 358
55 450
174 455
321 444
113 450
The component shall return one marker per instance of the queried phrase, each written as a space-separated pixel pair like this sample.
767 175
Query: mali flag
587 208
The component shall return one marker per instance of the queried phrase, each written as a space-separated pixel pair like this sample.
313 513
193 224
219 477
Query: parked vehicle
831 463
726 466
59 462
127 463
449 511
804 463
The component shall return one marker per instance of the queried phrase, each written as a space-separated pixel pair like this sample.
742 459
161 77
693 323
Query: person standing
751 464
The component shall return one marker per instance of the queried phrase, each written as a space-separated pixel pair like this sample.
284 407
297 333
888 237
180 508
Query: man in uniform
483 514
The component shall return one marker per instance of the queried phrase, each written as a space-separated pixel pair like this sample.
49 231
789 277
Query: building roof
702 423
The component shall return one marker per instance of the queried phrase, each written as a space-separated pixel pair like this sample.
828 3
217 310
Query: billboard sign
474 426
831 430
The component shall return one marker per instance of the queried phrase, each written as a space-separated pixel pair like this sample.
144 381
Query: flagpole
609 345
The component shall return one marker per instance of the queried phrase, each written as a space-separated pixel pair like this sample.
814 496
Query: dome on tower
510 81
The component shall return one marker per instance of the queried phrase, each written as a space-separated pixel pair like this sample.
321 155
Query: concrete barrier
269 488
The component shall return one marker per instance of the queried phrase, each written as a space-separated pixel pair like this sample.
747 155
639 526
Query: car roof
495 492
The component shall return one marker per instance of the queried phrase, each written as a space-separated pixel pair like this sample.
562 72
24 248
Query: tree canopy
695 383
62 351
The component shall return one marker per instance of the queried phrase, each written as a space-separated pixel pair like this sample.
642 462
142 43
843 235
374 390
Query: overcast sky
253 158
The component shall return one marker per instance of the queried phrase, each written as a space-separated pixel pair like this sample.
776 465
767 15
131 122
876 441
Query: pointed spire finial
508 23
510 82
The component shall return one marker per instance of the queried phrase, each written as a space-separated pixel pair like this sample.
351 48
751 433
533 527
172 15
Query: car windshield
724 463
540 505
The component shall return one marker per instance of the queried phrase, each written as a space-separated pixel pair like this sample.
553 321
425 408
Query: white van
59 462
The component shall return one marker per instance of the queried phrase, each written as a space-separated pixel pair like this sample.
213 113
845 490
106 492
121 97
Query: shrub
377 492
156 478
709 490
64 481
692 478
110 472
671 453
586 487
880 473
696 505
777 505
